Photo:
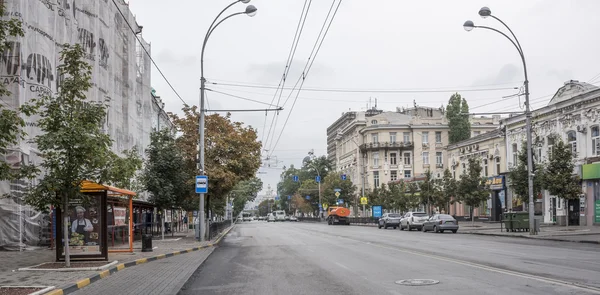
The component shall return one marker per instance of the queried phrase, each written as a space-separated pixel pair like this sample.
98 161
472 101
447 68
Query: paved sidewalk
161 277
578 234
11 261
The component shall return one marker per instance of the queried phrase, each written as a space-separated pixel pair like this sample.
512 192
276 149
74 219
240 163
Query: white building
573 113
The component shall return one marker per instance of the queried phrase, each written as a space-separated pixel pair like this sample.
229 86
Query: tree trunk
567 210
162 223
472 215
66 230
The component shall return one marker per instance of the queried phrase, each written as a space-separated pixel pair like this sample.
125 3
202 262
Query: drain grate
417 282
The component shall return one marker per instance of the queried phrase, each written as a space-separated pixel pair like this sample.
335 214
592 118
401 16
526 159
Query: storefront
497 200
590 203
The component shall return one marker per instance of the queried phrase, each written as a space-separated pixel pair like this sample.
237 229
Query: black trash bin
146 243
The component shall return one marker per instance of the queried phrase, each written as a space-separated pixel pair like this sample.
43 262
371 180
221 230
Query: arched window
572 140
373 122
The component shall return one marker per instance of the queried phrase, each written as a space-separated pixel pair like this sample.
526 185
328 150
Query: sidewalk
577 234
70 281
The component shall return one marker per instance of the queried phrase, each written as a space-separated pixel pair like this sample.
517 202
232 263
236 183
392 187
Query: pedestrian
185 222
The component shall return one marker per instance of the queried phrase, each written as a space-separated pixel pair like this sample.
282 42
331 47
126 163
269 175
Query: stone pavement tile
165 276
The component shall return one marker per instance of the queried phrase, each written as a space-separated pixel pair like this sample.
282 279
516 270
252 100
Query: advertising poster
120 214
84 226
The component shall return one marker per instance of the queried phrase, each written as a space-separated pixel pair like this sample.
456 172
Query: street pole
250 11
468 26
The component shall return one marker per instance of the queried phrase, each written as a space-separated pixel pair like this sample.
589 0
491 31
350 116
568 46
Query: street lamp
312 157
250 11
485 12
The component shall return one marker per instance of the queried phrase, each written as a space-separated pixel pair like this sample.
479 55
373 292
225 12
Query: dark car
440 222
389 220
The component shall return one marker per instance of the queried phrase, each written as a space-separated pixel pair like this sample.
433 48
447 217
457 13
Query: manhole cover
417 282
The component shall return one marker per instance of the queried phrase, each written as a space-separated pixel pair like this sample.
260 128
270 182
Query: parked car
441 222
413 220
262 218
279 215
389 220
293 218
271 217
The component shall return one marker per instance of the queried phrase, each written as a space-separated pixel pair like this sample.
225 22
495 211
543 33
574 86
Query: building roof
571 89
496 133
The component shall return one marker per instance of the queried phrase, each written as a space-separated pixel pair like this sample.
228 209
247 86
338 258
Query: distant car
293 218
287 218
441 222
279 215
389 220
270 217
262 217
413 220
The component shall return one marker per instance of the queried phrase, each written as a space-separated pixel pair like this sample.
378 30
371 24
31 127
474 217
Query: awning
90 186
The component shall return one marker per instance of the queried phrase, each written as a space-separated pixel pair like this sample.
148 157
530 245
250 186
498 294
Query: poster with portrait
120 214
84 226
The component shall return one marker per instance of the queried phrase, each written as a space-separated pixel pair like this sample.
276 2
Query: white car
414 220
293 218
279 215
271 217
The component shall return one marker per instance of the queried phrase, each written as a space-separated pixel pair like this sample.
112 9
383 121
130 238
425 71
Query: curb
31 268
103 274
531 238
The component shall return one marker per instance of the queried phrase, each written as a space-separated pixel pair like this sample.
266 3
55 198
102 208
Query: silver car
389 220
413 220
440 222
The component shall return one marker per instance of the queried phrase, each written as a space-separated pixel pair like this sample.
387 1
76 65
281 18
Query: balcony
439 165
386 145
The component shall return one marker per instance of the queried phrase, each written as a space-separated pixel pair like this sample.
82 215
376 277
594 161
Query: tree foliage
11 123
519 179
164 176
471 188
347 189
450 187
123 171
458 122
245 191
559 178
72 141
430 191
232 153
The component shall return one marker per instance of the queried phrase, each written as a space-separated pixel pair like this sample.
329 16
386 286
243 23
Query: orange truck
338 215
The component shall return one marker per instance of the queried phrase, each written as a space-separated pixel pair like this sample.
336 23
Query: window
595 131
498 166
572 140
475 133
393 160
407 174
393 175
392 137
376 178
464 167
425 158
373 122
406 137
425 137
374 138
406 158
438 158
438 137
485 167
550 144
454 172
515 153
375 159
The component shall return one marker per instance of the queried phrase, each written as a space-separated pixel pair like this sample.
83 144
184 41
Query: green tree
518 176
471 187
412 196
263 208
458 120
72 141
450 186
244 192
559 178
347 189
430 191
309 188
11 122
123 171
164 176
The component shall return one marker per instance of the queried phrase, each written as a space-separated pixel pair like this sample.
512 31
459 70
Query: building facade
490 150
573 114
376 147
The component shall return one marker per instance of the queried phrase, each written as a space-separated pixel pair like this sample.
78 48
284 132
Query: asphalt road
310 258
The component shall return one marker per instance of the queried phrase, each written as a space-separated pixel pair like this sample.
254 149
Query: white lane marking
310 250
342 266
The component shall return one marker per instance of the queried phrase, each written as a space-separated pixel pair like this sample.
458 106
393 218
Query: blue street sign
295 178
376 211
289 197
320 207
343 176
308 197
276 198
318 179
340 201
201 184
337 190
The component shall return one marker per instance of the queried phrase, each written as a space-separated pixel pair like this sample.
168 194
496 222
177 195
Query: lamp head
485 12
468 25
245 1
251 10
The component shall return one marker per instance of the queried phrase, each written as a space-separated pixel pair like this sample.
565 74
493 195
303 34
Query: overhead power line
240 97
148 53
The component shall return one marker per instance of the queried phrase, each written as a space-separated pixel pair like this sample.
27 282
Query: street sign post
364 201
289 197
337 194
318 179
308 197
343 176
337 190
295 178
201 184
376 211
340 202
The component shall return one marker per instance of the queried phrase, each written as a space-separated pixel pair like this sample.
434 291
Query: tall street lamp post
250 11
468 26
312 156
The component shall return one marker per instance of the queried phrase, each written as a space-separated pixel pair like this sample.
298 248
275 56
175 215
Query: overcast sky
371 45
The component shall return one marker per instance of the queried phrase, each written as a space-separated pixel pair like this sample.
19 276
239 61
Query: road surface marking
342 266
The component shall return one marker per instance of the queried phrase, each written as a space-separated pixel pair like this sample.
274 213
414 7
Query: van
279 215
